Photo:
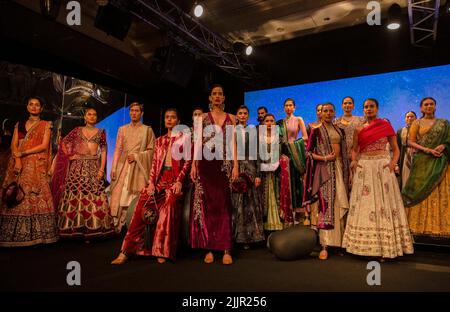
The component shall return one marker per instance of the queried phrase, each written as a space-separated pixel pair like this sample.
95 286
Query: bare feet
121 259
209 258
161 260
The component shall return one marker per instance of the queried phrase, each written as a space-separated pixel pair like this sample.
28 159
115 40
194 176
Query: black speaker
113 20
174 64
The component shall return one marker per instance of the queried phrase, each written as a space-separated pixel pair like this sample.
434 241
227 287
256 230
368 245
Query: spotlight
241 48
393 26
394 17
249 50
198 10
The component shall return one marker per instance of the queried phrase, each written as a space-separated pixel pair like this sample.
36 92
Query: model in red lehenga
163 196
78 184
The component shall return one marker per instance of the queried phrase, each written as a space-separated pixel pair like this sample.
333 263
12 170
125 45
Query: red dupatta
378 129
68 147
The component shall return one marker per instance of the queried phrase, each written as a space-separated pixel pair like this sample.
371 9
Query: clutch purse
149 216
13 195
242 184
149 213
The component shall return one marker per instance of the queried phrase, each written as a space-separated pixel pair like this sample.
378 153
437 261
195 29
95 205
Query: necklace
33 118
89 127
346 119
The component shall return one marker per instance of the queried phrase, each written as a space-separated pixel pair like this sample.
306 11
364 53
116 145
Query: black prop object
292 243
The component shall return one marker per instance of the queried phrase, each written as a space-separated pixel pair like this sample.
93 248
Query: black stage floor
43 268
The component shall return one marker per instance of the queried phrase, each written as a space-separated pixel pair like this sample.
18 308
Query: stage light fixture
248 50
198 10
99 93
394 17
242 48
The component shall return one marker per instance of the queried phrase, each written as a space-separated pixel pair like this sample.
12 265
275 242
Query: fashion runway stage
43 268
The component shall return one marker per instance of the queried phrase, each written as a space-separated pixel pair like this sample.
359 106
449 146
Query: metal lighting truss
423 20
197 38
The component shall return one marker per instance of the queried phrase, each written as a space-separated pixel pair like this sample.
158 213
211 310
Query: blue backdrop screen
397 93
111 125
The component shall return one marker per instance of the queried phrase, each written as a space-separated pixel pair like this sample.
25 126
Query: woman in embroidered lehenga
164 195
376 224
427 191
78 184
292 160
247 213
406 152
326 181
210 219
33 220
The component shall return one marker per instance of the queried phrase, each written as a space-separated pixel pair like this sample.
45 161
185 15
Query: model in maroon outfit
210 220
164 195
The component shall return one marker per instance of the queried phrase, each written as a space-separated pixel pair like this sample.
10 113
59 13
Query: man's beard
260 119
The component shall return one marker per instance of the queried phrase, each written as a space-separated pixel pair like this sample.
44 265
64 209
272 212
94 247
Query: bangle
325 158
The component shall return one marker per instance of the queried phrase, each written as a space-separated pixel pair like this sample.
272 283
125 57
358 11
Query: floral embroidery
366 190
360 174
395 213
198 193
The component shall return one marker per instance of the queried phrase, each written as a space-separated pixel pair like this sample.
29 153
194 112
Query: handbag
150 214
242 184
150 217
13 194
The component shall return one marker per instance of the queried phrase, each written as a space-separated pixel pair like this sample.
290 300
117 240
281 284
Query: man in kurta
131 164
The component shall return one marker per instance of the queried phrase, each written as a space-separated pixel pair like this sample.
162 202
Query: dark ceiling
297 41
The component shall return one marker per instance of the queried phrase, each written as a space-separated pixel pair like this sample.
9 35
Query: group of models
350 178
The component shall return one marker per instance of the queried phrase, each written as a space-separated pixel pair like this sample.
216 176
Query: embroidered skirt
377 224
